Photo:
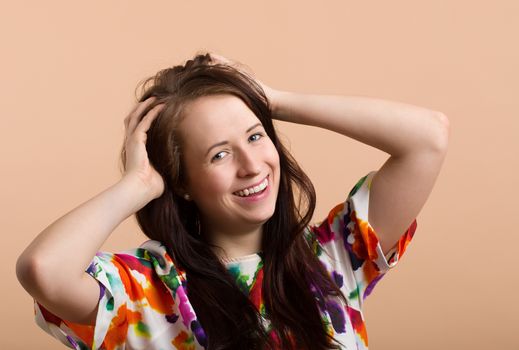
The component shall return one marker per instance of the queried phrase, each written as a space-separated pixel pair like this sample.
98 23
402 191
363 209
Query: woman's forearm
393 127
61 252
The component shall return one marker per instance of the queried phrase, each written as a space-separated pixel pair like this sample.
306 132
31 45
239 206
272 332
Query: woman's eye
256 137
218 155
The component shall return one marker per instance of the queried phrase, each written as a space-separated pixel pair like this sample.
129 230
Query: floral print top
143 303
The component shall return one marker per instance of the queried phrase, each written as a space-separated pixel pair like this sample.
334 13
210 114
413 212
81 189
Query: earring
187 197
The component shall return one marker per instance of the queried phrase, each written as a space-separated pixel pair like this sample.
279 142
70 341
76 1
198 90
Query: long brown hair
295 283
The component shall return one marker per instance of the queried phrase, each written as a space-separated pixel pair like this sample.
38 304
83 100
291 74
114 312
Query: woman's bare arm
52 267
415 137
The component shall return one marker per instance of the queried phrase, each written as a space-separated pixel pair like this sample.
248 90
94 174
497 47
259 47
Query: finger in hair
145 123
140 112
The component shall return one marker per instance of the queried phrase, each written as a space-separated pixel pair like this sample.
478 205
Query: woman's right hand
136 162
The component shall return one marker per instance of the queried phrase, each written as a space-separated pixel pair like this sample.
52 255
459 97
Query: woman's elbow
29 272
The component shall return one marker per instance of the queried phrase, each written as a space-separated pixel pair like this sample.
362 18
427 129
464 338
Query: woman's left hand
269 92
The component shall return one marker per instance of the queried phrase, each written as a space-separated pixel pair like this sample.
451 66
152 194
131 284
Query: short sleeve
346 242
111 326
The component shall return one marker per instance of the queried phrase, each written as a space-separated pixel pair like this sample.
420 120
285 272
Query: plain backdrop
69 70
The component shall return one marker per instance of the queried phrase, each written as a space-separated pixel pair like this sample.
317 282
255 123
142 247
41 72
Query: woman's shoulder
150 258
147 251
157 253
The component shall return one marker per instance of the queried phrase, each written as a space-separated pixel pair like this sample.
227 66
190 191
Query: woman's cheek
219 182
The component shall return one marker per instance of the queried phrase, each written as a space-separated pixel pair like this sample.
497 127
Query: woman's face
227 154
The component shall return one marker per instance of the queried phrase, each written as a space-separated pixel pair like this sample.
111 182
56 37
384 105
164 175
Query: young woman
233 261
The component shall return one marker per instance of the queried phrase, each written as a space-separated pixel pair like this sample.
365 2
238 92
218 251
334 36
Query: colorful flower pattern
143 302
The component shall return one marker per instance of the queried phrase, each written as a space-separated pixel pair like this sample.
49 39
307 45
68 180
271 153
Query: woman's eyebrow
221 143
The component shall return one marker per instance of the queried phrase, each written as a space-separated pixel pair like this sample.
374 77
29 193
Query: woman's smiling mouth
253 190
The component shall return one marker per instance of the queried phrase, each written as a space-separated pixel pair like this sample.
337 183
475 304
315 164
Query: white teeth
255 189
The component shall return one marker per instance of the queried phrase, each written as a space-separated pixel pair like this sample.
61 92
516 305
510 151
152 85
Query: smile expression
232 166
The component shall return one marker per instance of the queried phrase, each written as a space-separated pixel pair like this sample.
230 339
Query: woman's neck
235 245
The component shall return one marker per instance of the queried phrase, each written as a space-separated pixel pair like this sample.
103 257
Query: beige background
68 74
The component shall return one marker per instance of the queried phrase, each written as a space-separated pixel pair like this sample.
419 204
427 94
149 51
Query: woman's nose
248 164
